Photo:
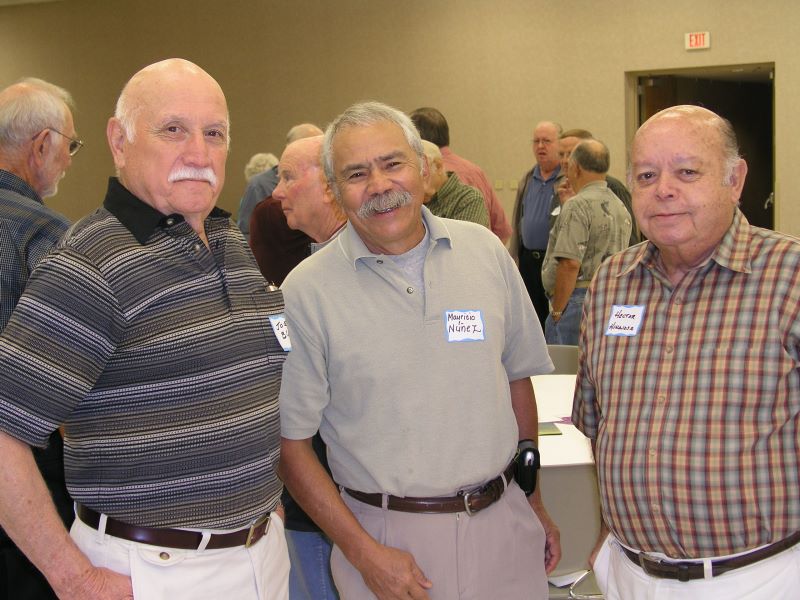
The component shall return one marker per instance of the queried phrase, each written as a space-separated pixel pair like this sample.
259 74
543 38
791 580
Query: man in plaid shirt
689 383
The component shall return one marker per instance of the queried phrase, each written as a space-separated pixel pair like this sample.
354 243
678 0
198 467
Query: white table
567 477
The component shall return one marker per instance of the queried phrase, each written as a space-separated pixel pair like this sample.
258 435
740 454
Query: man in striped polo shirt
151 337
689 380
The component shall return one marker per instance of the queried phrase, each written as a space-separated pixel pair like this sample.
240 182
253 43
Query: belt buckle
252 531
467 496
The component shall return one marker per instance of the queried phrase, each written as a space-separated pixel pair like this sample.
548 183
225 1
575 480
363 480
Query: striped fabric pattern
697 418
28 229
158 356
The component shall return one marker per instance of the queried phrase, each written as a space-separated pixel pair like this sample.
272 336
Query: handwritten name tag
281 330
625 320
463 325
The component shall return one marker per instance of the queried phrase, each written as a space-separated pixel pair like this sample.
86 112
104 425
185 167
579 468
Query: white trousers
775 578
260 572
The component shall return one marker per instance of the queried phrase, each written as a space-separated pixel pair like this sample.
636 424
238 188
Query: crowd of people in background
332 398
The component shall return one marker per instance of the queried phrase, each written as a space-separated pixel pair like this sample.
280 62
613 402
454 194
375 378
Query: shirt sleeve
55 346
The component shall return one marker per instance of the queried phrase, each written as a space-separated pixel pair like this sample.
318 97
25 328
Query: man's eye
216 133
645 177
355 175
172 128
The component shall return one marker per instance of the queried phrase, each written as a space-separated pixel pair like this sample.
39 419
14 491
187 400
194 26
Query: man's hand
393 574
552 540
601 538
97 583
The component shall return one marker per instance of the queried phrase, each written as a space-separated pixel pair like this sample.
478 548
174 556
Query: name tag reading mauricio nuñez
281 330
464 325
625 320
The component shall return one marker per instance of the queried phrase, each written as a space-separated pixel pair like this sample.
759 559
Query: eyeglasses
74 144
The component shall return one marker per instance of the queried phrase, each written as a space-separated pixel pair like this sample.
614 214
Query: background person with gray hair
446 196
593 225
37 142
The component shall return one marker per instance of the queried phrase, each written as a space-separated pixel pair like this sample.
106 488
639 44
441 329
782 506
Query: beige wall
493 68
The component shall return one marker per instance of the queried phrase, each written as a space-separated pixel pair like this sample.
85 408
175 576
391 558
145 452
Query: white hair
258 163
27 108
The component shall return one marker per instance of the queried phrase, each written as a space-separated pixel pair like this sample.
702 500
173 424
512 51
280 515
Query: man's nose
378 182
196 149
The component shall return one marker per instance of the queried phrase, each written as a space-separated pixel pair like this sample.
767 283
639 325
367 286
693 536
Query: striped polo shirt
695 402
158 356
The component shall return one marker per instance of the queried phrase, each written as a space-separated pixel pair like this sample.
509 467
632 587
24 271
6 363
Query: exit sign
697 40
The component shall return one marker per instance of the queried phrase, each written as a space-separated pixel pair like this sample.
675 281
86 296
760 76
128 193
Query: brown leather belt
688 570
176 538
469 502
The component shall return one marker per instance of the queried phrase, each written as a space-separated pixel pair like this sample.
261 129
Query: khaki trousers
496 553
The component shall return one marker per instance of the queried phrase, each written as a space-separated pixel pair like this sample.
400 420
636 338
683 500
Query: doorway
743 94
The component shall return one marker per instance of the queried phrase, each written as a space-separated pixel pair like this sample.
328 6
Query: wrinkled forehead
678 135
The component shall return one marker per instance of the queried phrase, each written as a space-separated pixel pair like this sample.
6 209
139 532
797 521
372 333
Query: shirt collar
537 173
18 185
355 249
733 251
138 217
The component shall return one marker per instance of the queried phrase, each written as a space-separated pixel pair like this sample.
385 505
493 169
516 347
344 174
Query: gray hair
258 163
362 115
591 155
126 112
28 107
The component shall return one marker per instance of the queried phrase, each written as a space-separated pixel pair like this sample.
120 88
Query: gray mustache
384 202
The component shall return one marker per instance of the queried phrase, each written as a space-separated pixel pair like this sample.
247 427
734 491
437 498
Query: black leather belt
176 538
689 570
469 502
538 254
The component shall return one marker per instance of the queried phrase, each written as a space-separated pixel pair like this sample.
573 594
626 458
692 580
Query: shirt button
668 349
410 290
652 452
379 261
170 221
661 399
164 556
197 246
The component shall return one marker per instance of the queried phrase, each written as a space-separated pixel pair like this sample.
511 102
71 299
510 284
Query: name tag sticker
464 325
281 330
625 320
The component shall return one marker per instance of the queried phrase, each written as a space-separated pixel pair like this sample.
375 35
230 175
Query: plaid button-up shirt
697 416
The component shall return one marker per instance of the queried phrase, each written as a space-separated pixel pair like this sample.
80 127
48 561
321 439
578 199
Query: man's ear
736 179
41 149
116 141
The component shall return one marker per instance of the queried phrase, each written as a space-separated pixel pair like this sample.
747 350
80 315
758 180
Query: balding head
719 128
545 146
169 138
686 180
36 130
437 174
303 130
588 162
304 194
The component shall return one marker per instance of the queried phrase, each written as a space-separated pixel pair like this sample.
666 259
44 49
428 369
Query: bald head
169 139
545 146
304 194
303 130
698 117
150 85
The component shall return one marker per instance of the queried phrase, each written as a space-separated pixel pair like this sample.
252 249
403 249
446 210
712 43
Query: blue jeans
310 573
568 328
